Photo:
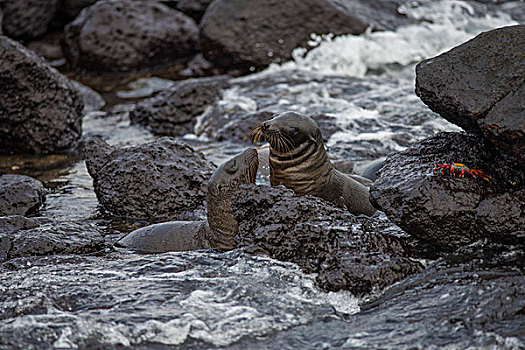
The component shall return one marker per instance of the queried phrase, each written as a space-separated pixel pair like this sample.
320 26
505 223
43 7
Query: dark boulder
474 299
21 236
27 19
249 100
449 211
346 251
241 34
228 109
40 111
193 8
125 35
479 86
71 8
20 195
160 180
174 111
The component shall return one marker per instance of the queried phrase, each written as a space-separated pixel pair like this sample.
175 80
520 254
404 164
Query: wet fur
298 160
221 227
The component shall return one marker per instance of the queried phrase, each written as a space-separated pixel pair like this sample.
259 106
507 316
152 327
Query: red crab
462 169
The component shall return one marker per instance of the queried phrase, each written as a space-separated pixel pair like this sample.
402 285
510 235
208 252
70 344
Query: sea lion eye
294 130
233 167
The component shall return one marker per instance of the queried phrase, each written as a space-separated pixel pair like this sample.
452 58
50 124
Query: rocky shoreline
430 214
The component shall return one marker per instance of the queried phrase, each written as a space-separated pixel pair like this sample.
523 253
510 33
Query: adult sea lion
298 160
220 228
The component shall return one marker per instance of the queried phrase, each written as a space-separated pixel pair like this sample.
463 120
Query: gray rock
27 19
197 105
193 8
20 236
449 211
479 86
173 112
346 251
40 111
472 299
240 34
20 195
221 123
125 35
160 180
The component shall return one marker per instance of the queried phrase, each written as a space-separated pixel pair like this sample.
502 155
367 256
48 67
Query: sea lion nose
265 125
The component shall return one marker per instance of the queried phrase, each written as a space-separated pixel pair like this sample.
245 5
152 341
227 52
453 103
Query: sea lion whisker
255 134
298 160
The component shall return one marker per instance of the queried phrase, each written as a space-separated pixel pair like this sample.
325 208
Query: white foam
449 23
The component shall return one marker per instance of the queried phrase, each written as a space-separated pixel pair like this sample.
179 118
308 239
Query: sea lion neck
227 178
302 169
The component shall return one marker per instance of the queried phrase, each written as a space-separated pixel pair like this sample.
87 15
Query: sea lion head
241 169
287 131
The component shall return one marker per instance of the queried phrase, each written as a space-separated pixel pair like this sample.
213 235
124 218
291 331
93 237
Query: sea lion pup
298 160
220 228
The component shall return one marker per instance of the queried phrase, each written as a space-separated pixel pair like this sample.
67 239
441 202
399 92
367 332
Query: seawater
206 300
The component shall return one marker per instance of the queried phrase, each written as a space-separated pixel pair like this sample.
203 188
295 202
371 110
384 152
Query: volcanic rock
40 111
173 111
71 8
240 34
450 211
193 8
160 180
21 236
125 35
346 251
20 195
228 109
479 86
27 19
479 290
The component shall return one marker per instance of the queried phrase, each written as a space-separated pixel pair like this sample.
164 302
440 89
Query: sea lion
298 160
220 228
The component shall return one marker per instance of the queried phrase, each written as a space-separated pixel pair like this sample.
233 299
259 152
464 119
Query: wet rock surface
226 124
20 195
223 109
40 110
449 211
160 180
71 8
473 298
92 99
480 86
248 100
21 236
174 111
27 19
345 250
242 34
124 35
193 8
